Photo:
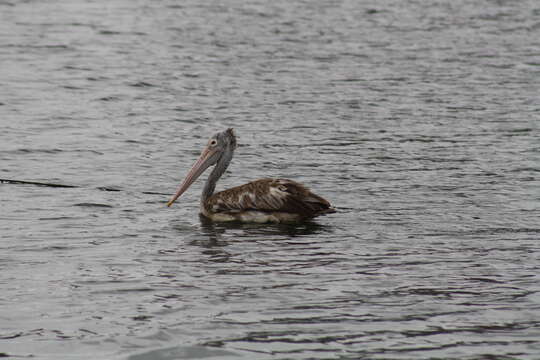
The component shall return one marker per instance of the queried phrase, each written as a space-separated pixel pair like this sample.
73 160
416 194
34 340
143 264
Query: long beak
202 163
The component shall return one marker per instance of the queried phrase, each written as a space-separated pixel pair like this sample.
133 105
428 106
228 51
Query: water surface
419 121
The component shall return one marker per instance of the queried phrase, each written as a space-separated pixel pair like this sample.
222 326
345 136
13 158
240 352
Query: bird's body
265 200
260 201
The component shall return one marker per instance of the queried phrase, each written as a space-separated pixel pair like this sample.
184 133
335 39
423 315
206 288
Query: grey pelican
260 201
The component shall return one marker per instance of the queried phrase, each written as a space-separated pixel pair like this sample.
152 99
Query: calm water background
419 120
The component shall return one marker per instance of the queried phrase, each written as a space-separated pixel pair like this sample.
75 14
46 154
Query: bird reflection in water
215 239
252 231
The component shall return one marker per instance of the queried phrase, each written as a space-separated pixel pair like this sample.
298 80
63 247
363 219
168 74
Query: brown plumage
279 199
264 200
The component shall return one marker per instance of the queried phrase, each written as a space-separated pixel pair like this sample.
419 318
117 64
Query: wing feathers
270 195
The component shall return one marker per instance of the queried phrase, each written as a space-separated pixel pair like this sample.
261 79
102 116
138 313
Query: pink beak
202 163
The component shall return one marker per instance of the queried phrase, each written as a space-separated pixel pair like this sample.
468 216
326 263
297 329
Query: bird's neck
215 175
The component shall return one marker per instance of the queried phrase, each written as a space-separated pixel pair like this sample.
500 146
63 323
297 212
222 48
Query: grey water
418 120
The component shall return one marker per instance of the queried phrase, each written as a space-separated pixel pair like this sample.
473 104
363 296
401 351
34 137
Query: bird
267 200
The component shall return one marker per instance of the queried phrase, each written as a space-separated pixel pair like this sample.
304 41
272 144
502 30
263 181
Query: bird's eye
213 142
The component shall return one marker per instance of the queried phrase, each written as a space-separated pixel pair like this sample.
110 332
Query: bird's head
220 146
223 141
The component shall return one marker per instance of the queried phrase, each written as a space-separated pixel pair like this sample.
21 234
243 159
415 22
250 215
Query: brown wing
279 195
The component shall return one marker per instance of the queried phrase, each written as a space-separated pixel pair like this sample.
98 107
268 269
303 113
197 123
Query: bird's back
269 195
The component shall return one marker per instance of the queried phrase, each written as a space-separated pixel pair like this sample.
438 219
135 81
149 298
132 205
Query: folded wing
270 195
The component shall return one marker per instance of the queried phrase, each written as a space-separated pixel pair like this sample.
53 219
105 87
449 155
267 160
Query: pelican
260 201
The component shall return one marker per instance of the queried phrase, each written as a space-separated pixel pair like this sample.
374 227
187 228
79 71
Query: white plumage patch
279 191
217 205
248 195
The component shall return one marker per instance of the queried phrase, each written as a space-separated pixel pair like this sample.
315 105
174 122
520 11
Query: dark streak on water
419 120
